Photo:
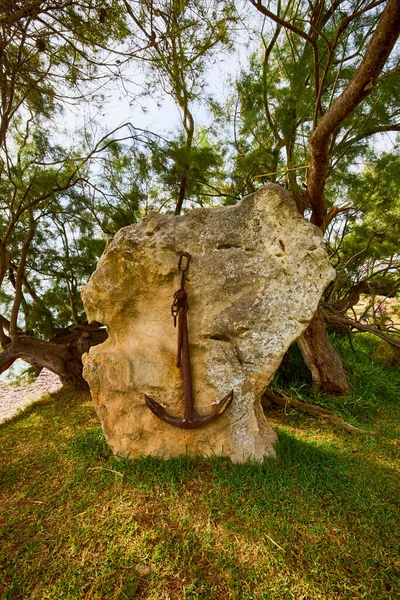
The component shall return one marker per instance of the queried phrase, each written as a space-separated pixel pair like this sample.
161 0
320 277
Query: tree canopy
316 94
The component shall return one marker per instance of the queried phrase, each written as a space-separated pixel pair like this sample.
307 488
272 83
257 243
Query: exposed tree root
323 413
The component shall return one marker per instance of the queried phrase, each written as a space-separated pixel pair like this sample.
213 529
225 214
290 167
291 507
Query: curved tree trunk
61 355
325 364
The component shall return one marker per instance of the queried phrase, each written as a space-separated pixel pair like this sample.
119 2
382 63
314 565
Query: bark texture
321 358
376 55
61 355
325 364
327 369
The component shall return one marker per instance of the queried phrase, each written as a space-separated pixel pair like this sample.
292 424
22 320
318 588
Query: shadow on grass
336 473
323 477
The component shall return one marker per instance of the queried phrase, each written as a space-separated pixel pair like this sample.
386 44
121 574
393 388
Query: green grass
373 384
319 523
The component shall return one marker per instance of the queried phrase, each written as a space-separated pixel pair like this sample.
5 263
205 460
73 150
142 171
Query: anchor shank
185 362
180 338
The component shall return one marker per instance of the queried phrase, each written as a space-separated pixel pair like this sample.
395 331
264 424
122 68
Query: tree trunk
326 366
61 355
364 79
321 358
181 195
396 357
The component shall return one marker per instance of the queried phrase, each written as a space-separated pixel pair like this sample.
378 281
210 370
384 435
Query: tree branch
19 279
336 319
286 24
376 55
369 132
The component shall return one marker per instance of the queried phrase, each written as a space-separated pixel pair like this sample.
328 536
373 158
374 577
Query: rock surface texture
255 278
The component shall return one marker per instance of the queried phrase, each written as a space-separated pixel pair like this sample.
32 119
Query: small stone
142 570
257 272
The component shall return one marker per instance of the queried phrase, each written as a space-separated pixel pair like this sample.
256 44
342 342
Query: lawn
319 522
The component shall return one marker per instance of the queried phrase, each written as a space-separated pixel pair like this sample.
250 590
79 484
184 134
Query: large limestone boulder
255 278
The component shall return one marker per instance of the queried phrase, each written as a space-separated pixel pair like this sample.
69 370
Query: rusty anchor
179 312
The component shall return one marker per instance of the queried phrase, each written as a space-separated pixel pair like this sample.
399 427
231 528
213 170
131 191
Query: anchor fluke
192 422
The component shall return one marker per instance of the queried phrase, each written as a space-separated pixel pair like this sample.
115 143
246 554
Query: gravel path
15 397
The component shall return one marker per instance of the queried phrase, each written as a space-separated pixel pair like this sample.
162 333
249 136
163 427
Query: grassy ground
320 522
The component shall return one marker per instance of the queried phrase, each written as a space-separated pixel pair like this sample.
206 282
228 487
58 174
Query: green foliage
201 165
185 36
184 39
71 200
288 86
52 56
373 383
364 246
61 256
